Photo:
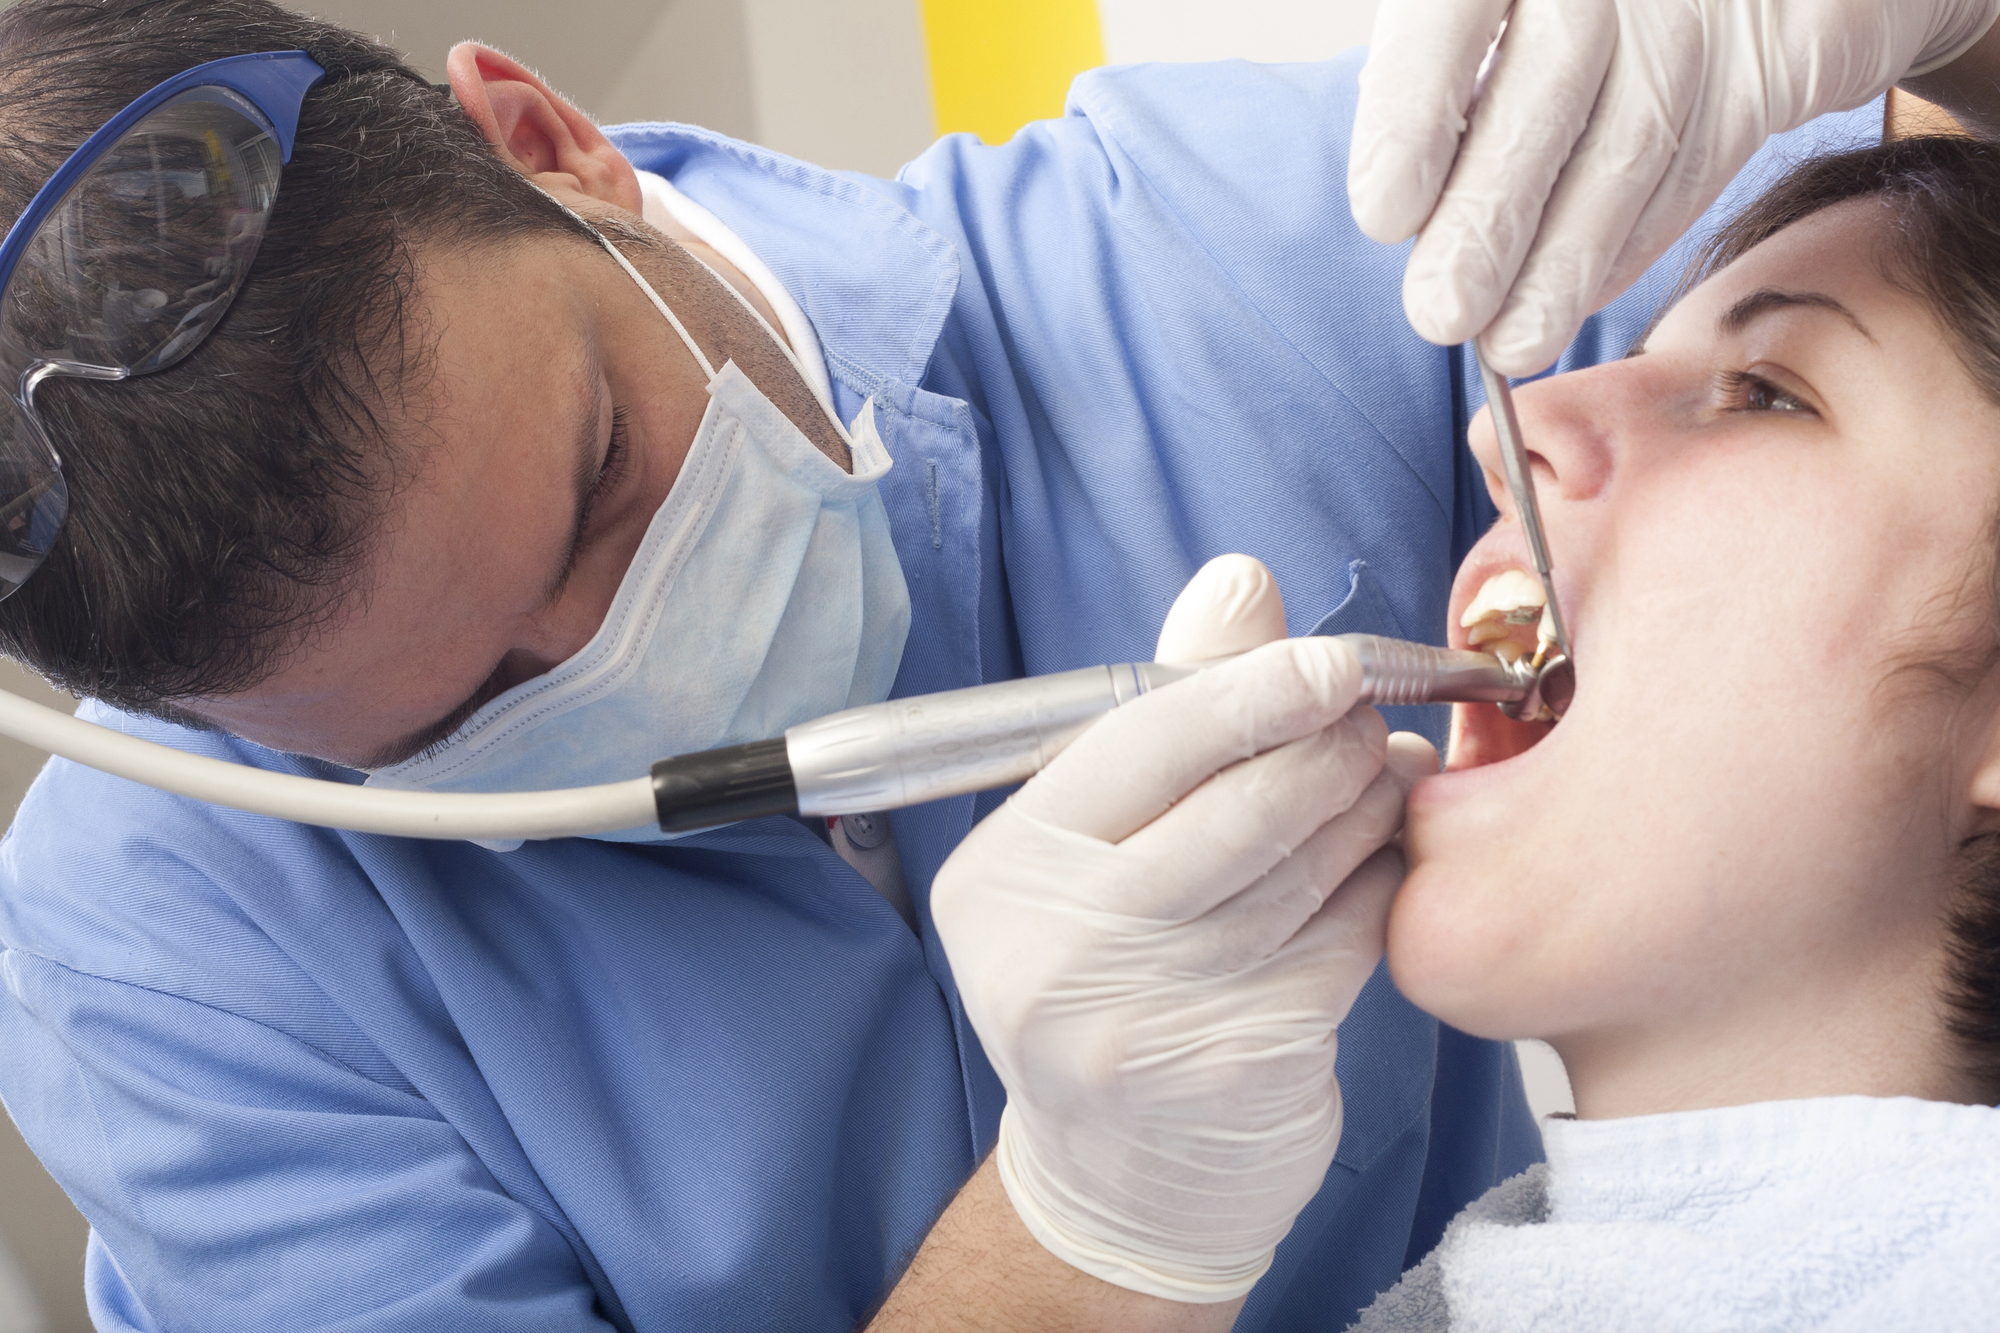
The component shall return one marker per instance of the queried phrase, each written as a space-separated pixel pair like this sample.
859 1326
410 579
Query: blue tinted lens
33 497
142 257
131 270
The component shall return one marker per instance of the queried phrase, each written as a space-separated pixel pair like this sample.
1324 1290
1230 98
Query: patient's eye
1744 392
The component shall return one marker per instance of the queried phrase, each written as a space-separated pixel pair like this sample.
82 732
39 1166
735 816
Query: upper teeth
1510 598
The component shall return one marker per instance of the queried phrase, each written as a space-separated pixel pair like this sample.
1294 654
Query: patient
1749 887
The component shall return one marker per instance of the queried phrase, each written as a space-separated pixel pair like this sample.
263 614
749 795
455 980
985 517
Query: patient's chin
1456 959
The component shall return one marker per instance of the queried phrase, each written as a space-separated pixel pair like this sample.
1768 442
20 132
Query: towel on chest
1839 1215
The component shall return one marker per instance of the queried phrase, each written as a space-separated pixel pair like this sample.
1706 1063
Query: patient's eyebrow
1765 300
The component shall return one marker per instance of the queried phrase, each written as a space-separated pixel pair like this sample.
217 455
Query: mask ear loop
839 426
694 348
783 346
701 358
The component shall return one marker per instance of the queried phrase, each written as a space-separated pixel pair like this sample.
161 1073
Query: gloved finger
1423 65
1535 103
1412 757
1303 991
1696 178
1255 923
1235 827
1137 761
1611 175
1334 954
1231 605
1802 65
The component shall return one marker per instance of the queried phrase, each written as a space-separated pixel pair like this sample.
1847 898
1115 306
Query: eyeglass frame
275 83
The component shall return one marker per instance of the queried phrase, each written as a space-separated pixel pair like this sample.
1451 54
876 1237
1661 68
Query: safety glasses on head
130 256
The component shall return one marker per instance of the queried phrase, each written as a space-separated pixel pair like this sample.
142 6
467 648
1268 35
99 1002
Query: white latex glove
1149 942
1603 129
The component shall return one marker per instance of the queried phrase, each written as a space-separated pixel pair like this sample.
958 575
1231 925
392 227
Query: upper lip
1504 548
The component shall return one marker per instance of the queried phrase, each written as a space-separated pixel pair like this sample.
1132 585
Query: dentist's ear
537 132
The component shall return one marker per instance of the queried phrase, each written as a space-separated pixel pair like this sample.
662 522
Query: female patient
1749 887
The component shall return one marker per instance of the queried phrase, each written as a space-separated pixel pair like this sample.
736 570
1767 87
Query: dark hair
218 509
1942 244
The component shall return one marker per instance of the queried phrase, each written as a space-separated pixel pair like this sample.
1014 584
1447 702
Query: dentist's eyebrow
1767 300
423 738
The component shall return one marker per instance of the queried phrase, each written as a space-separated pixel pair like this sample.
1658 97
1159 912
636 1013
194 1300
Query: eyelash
1739 390
612 471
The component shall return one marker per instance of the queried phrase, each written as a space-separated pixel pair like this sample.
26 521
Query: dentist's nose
546 640
1567 425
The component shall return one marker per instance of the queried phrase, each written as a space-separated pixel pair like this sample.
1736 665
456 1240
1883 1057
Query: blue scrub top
300 1079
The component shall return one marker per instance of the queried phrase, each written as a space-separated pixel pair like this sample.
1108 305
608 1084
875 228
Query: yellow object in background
998 64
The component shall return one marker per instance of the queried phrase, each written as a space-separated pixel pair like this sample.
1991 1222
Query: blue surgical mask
766 592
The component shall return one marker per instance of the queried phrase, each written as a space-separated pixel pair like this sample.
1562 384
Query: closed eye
617 457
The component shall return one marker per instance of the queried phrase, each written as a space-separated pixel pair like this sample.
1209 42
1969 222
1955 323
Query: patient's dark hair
217 509
1942 244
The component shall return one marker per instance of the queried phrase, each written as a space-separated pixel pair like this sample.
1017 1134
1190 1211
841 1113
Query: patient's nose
1568 425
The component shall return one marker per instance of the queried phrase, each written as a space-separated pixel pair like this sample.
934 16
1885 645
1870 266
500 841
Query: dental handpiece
907 751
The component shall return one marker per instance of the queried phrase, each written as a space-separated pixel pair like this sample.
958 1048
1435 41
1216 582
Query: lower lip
1456 784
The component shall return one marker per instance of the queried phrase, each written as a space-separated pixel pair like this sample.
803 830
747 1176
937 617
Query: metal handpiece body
1396 671
925 748
907 751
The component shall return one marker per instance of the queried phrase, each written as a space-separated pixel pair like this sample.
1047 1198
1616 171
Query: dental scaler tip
1521 485
925 748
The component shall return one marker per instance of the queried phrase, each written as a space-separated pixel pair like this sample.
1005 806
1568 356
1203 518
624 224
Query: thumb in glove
1230 606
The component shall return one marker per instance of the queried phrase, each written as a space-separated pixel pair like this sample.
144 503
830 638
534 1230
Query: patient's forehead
1844 259
1842 247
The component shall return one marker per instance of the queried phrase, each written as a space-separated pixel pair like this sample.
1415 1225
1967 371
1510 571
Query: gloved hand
1603 129
1156 936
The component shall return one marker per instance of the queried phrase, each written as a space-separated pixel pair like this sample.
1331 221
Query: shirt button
864 832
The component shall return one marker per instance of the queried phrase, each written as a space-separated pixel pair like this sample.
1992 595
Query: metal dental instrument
890 755
881 757
1521 483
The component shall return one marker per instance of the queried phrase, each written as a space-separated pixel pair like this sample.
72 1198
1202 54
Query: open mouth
1509 618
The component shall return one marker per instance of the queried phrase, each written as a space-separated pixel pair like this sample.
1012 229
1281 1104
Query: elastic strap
700 357
840 427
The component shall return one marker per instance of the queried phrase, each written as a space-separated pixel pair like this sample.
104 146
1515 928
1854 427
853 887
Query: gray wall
843 83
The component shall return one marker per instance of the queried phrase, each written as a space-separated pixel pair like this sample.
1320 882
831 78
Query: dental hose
403 814
864 760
